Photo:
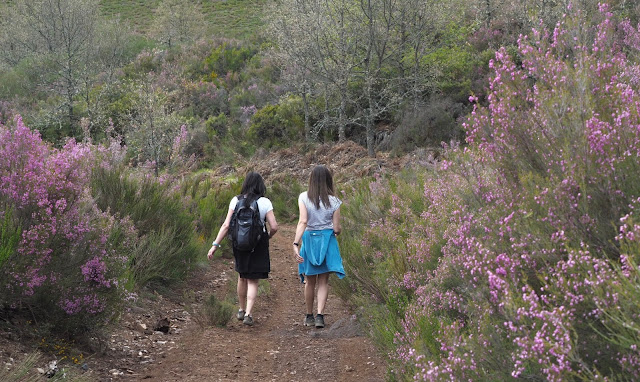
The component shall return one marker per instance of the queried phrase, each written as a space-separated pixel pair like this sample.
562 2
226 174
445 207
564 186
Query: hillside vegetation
487 155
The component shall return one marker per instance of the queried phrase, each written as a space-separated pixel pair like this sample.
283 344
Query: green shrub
264 288
278 125
212 208
226 58
216 312
242 100
283 193
217 126
157 258
25 371
167 247
386 236
360 206
262 68
147 61
235 143
455 61
12 83
197 144
10 234
427 127
620 320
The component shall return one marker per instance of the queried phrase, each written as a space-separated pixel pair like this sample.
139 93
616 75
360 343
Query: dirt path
277 348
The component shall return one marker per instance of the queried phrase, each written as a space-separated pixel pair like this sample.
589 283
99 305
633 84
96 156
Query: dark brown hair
320 186
253 187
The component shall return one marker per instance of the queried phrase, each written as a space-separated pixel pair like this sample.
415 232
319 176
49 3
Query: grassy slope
228 18
138 12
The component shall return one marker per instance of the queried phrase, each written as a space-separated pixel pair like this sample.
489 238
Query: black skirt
255 264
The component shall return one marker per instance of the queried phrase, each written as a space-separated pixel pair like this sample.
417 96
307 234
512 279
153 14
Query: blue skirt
321 254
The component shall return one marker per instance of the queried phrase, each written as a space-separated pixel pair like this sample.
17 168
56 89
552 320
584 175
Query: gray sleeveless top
321 218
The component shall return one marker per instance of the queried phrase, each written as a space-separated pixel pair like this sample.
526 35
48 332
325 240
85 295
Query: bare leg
242 292
309 291
252 292
323 291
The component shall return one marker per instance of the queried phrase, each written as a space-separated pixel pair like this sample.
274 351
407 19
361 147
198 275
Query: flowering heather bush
204 99
70 256
523 263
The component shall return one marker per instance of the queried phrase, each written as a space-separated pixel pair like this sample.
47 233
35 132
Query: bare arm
337 228
302 225
222 233
273 225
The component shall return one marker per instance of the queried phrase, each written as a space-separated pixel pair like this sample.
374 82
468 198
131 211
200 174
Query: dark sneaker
309 320
319 321
248 320
240 315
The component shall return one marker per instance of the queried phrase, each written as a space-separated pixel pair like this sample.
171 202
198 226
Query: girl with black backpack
251 264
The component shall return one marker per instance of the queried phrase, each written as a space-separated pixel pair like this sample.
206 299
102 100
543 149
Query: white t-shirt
319 218
264 205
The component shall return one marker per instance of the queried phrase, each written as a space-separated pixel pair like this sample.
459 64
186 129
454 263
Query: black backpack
246 227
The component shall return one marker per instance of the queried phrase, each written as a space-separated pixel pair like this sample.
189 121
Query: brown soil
348 161
277 348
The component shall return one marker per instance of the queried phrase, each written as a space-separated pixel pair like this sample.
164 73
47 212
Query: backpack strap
239 197
257 208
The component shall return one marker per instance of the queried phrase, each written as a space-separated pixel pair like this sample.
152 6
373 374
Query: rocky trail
277 348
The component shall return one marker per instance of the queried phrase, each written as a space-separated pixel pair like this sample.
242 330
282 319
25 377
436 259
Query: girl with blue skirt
315 245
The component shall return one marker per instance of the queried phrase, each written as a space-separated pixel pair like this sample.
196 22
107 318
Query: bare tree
57 40
105 56
366 57
294 55
152 128
58 32
316 37
420 22
379 26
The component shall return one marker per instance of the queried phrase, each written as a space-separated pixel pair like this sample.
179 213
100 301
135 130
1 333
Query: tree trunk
154 144
369 120
305 101
342 120
70 91
488 12
416 82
